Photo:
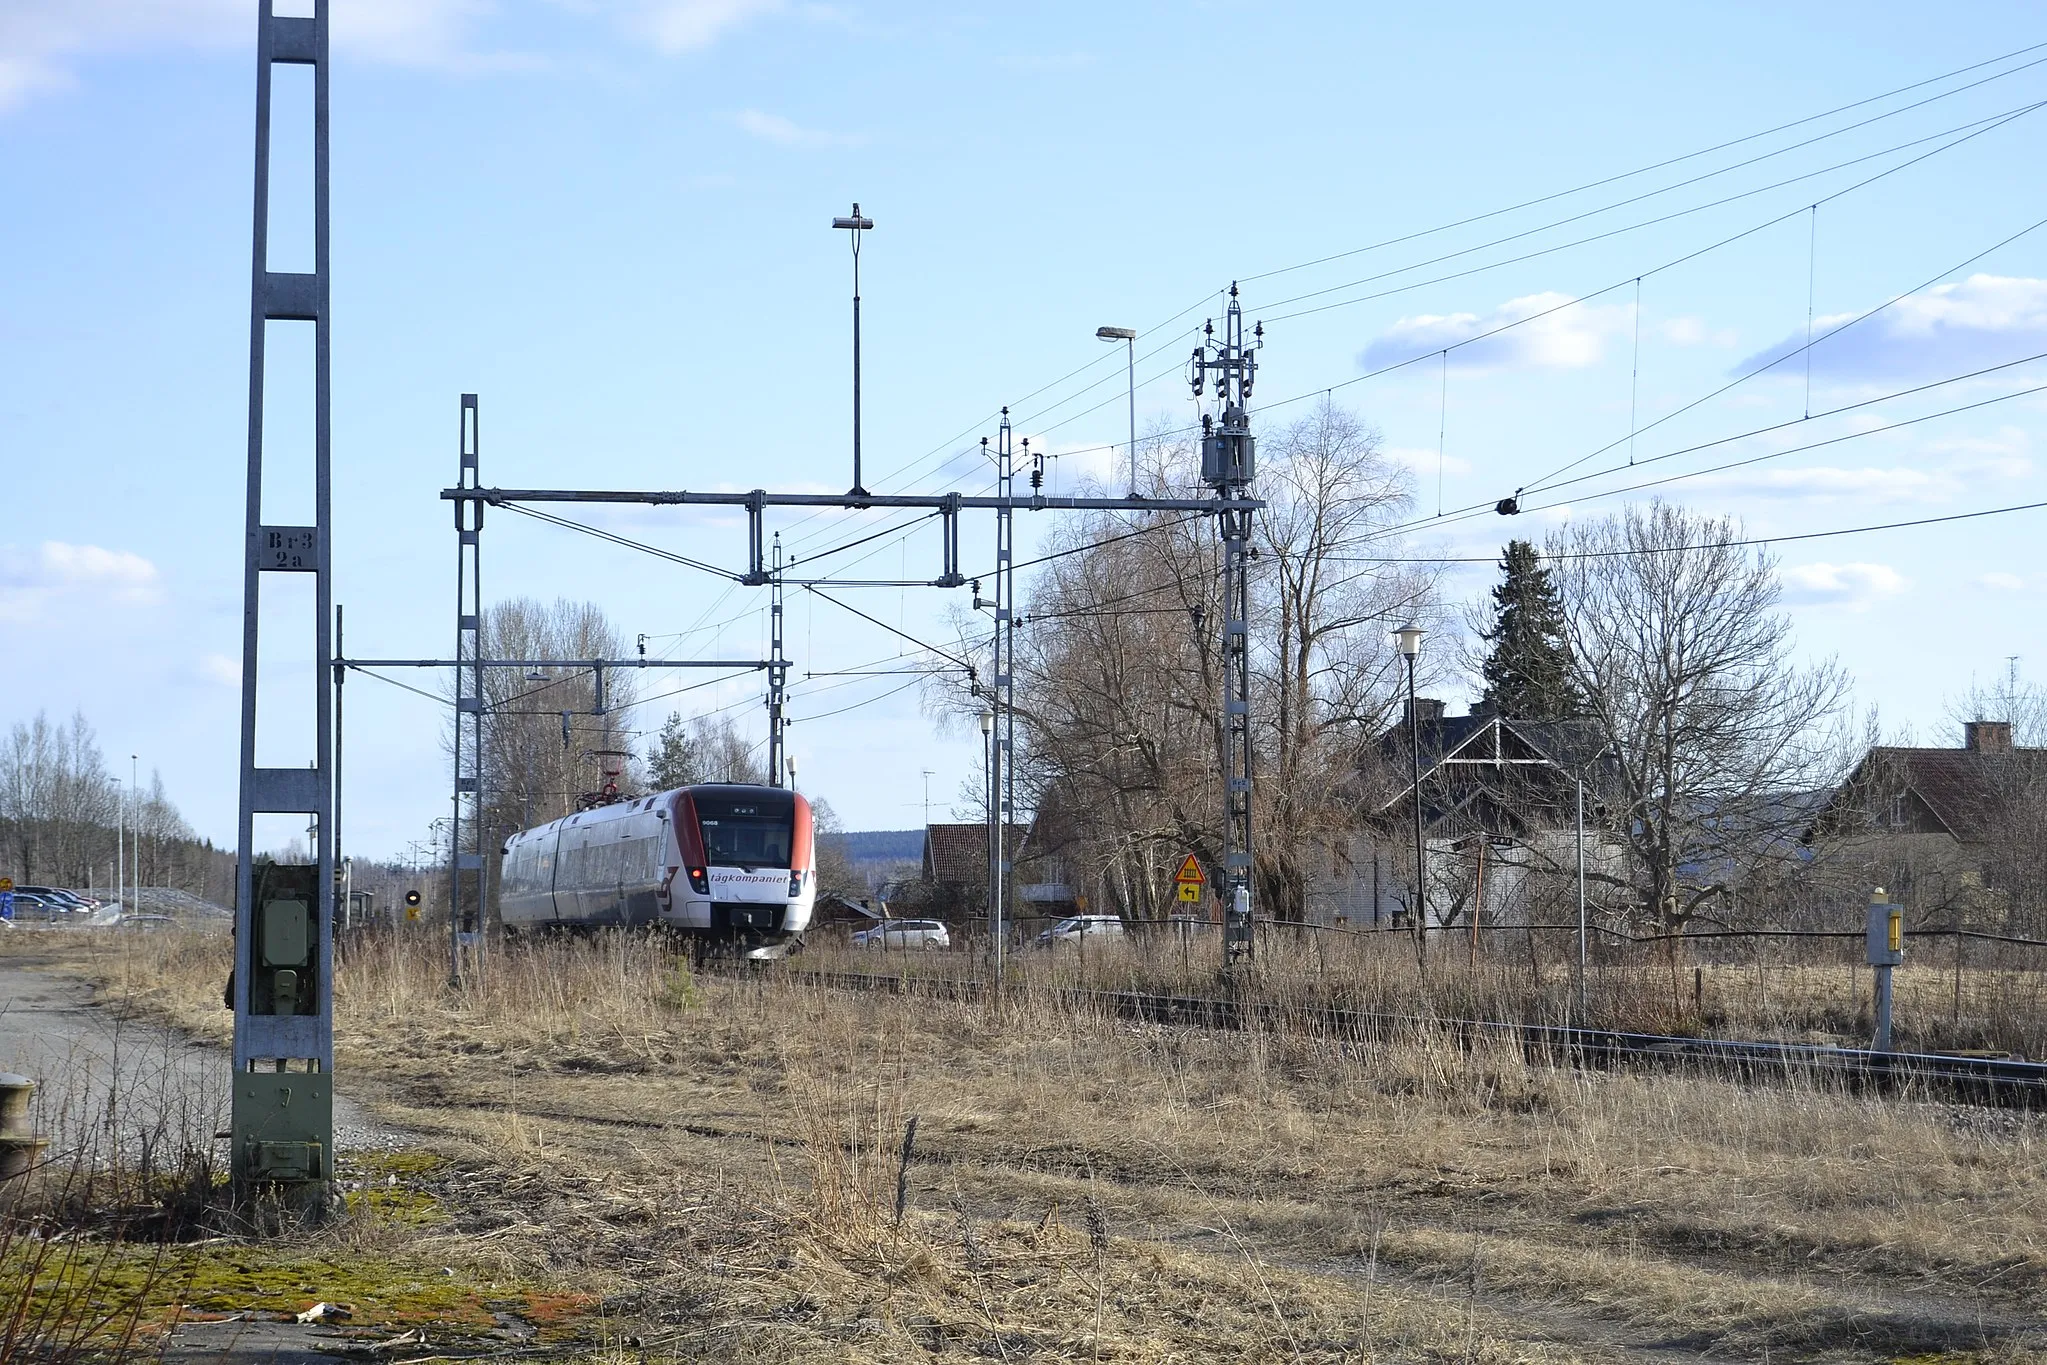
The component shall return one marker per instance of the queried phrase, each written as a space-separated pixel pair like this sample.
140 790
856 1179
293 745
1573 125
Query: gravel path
157 1084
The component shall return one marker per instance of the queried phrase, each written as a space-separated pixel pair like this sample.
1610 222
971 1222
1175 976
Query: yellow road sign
1190 891
1190 873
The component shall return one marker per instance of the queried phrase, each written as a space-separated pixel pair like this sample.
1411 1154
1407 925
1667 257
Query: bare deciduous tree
1686 664
1118 672
536 761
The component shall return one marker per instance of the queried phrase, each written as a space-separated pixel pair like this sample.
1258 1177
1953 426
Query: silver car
898 934
1075 928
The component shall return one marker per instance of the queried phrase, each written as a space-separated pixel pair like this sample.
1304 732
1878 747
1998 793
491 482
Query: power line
617 539
1466 514
1547 198
1718 544
1772 364
1692 156
858 704
1981 126
1487 335
875 620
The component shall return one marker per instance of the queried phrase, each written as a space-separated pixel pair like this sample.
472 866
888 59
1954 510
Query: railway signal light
412 905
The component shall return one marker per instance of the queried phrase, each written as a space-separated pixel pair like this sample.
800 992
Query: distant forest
61 813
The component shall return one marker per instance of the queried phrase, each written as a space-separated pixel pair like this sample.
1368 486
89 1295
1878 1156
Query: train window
750 831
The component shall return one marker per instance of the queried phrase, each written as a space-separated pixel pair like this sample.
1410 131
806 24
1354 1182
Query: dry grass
1797 990
721 1160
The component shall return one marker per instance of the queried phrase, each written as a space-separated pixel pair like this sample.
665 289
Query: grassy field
719 1167
1820 991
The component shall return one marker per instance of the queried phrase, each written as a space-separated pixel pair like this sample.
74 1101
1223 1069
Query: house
836 911
1939 826
955 868
1955 797
1499 803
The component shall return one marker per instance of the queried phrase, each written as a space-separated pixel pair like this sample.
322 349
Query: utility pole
282 1129
1228 463
468 796
856 225
778 673
1002 783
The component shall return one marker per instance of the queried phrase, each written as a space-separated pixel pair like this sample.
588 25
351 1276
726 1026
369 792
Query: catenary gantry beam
937 502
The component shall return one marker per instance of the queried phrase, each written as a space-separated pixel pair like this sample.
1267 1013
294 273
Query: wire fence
1961 990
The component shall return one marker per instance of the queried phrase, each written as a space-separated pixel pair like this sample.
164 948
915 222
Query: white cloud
1943 470
73 576
1854 586
2002 582
1690 331
2002 456
1424 461
1949 329
44 40
1831 483
219 668
677 26
774 128
1554 334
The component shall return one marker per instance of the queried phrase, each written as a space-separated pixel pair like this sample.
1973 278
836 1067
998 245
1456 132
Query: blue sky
610 221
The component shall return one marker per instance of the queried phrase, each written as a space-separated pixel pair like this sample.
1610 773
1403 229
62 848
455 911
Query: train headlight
795 884
699 880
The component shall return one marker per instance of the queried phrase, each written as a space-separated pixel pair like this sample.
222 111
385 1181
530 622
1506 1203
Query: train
726 863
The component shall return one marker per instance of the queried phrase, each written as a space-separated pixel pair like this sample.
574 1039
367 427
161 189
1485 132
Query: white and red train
729 863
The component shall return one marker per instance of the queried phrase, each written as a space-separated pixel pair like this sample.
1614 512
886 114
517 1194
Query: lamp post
856 225
1128 336
120 842
1410 638
135 844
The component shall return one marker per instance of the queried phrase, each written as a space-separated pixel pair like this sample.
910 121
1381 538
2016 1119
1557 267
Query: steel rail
1991 1081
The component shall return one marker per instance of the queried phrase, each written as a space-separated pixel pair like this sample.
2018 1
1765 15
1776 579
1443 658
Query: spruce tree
1528 673
674 760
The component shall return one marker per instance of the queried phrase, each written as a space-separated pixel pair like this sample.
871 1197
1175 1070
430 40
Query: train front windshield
747 831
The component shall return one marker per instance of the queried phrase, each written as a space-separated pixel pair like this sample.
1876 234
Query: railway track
2000 1082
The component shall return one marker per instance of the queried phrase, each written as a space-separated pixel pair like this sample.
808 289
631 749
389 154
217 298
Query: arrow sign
1190 873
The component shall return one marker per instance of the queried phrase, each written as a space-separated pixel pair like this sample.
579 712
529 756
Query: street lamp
120 841
1409 637
1128 336
856 225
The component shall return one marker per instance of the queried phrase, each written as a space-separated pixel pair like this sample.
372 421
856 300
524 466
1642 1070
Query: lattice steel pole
1228 461
1003 790
281 1107
469 696
778 674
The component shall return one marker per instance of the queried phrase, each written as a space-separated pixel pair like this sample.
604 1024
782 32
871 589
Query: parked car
35 905
1074 928
921 934
70 899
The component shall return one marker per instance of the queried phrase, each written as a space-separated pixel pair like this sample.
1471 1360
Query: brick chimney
1987 736
1430 709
